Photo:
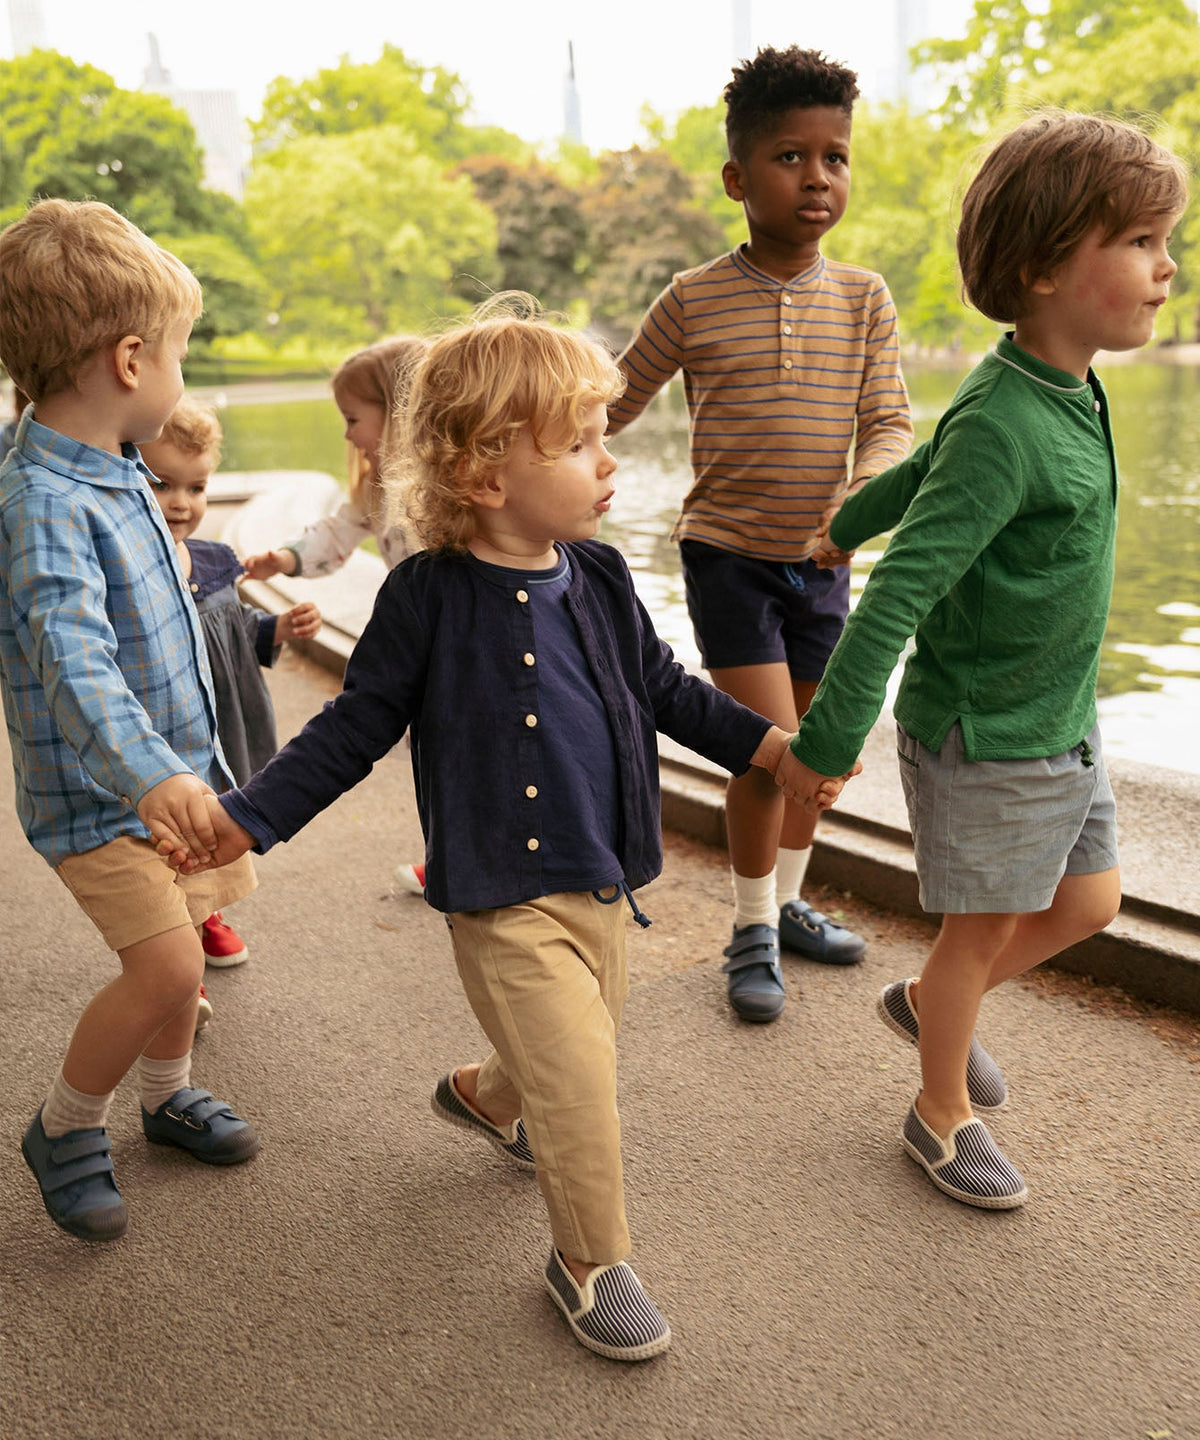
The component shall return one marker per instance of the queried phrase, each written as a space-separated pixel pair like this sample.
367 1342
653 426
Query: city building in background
219 126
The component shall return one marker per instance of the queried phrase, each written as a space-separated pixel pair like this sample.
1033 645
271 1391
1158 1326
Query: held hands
229 842
827 556
299 623
804 786
176 813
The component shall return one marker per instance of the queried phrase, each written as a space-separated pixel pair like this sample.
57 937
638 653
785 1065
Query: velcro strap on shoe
197 1105
757 945
77 1160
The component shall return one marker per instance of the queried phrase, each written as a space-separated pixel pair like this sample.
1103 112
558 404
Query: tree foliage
362 233
645 222
428 101
68 131
540 227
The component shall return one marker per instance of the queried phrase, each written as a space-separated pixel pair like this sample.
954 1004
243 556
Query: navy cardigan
449 653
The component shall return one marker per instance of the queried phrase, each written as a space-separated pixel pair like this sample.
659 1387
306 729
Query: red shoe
409 880
205 1012
222 944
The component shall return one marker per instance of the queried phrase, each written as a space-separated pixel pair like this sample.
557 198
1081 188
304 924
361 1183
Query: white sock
790 869
158 1080
754 900
67 1109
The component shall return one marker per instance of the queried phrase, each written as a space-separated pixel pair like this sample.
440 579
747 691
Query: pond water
1150 668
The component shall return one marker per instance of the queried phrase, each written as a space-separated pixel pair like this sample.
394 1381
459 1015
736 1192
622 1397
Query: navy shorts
747 611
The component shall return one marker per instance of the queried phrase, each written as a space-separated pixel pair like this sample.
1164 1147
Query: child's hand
827 556
270 562
299 623
230 843
806 786
176 813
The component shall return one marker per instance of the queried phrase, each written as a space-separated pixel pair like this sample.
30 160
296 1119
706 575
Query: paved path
375 1274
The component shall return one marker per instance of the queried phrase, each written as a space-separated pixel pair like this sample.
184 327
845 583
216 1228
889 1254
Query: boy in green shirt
1001 566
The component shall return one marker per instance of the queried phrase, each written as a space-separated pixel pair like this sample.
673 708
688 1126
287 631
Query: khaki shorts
130 895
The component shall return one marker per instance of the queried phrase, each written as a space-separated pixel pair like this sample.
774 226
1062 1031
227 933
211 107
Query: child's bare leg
466 1078
1082 905
952 984
754 807
148 1008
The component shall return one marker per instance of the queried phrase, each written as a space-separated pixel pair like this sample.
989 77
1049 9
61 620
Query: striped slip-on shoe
511 1140
985 1083
609 1313
968 1165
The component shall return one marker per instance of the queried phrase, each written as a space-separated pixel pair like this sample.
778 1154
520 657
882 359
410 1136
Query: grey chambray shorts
996 836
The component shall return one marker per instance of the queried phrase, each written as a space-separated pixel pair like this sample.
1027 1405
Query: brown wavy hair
1043 188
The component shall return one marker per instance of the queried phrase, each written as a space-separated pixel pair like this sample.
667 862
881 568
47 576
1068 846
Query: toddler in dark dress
240 639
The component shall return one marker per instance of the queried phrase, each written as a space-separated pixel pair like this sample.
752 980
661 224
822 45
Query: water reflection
1150 666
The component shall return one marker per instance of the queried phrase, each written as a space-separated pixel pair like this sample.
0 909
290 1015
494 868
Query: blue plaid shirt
103 668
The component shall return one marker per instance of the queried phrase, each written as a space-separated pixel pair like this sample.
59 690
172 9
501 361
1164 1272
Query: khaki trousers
547 982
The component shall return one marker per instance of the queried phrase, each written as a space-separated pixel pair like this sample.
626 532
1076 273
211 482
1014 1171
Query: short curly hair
779 80
478 387
194 429
1042 188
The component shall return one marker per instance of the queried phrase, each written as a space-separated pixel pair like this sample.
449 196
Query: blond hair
480 385
1043 188
194 429
376 375
75 278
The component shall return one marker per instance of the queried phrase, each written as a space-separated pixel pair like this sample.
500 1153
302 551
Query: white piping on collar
1037 379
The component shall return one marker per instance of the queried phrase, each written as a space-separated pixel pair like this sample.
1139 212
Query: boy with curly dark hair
791 365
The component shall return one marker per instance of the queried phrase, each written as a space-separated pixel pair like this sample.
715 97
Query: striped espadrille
610 1313
967 1165
447 1104
985 1083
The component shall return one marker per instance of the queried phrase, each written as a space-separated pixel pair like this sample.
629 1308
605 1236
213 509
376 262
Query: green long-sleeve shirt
1001 566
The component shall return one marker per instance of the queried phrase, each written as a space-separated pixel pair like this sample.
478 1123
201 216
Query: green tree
1010 44
36 91
362 233
428 101
645 222
68 131
135 152
235 291
541 231
695 141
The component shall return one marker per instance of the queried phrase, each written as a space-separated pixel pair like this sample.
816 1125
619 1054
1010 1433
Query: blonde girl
366 389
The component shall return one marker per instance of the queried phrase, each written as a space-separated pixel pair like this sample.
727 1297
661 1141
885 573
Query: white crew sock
754 900
158 1080
67 1109
790 869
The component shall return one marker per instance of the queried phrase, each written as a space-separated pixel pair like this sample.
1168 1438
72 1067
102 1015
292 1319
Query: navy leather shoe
204 1127
816 937
755 979
75 1174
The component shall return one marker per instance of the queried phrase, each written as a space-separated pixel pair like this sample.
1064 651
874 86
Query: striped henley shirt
783 382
